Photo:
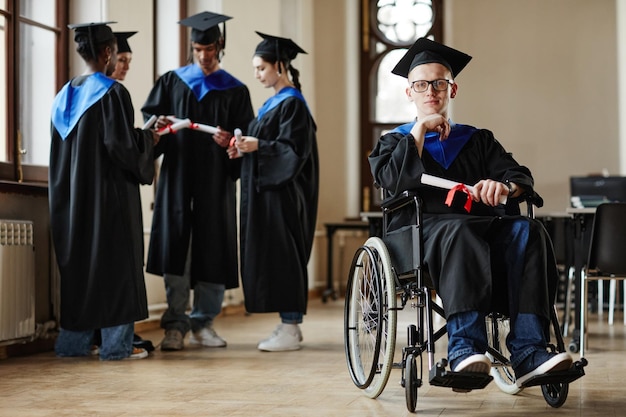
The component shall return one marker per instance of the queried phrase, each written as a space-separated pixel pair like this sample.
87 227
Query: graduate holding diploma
98 159
480 253
193 243
279 194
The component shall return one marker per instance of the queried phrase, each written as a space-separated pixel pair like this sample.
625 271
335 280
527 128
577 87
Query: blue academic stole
201 84
73 101
278 98
444 152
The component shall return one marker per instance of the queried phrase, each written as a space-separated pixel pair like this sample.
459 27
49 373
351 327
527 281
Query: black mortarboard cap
425 51
95 32
122 41
204 27
279 47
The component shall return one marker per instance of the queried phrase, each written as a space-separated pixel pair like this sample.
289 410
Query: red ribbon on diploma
462 188
166 129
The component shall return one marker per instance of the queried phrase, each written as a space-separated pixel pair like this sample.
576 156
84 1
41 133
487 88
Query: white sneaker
477 363
138 353
206 337
285 337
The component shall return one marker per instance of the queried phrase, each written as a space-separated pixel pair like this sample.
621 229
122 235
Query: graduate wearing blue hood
279 194
481 255
193 243
98 159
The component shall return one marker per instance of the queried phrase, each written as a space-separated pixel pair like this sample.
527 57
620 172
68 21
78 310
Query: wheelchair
379 279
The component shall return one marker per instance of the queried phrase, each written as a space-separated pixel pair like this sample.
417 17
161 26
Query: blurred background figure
124 56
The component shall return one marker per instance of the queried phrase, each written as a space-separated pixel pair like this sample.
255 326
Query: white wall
543 79
621 79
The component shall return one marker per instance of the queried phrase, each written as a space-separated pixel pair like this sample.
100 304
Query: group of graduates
99 158
481 253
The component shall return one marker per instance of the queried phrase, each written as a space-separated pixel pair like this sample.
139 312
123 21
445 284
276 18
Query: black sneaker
541 362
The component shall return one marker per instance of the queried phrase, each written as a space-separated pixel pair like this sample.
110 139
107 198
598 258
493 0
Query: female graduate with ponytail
279 193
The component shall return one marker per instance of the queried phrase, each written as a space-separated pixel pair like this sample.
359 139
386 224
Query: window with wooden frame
33 67
388 29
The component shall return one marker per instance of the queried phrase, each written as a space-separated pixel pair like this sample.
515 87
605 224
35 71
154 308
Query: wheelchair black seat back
386 273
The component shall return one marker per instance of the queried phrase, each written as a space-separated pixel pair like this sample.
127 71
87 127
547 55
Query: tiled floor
241 381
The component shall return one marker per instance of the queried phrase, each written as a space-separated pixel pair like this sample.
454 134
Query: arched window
388 29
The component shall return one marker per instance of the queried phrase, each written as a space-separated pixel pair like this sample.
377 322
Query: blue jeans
207 301
467 335
117 342
291 318
467 330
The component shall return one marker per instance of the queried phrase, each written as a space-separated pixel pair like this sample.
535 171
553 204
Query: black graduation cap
95 32
278 47
122 41
204 27
425 51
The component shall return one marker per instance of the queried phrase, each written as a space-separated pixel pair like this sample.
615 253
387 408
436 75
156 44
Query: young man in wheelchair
480 254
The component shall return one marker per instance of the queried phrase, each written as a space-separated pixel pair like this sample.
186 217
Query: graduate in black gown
118 73
97 162
193 243
476 249
124 56
279 195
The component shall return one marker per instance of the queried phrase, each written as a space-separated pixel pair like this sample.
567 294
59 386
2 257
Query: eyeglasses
420 86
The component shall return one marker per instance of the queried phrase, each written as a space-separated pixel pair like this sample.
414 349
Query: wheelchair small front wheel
411 382
555 394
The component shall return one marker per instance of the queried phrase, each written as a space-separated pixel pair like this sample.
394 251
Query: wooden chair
607 255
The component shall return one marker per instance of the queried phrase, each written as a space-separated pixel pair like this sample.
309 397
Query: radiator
17 280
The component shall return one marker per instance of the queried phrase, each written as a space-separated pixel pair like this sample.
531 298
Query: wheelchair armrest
532 200
406 197
409 196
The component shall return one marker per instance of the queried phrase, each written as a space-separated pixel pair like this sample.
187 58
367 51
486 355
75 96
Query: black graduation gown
196 184
459 260
279 195
95 212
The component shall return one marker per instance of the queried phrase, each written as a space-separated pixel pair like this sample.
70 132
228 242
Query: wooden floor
241 381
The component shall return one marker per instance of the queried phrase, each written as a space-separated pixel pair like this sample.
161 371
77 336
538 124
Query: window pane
404 21
42 11
3 90
37 90
392 104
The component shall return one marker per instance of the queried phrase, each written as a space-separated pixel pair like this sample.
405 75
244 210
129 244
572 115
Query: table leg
330 289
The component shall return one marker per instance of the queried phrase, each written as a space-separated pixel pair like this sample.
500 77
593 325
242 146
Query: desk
375 220
331 228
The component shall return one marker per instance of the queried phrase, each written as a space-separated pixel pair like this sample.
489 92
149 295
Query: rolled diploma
149 122
204 128
175 127
428 179
174 119
195 126
238 135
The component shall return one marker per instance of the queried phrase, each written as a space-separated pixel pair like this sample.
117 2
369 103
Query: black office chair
607 255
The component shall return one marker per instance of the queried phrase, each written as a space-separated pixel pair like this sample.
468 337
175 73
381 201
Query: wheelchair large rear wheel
370 318
498 327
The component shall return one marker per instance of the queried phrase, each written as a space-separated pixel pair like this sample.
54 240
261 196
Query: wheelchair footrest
561 377
459 380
